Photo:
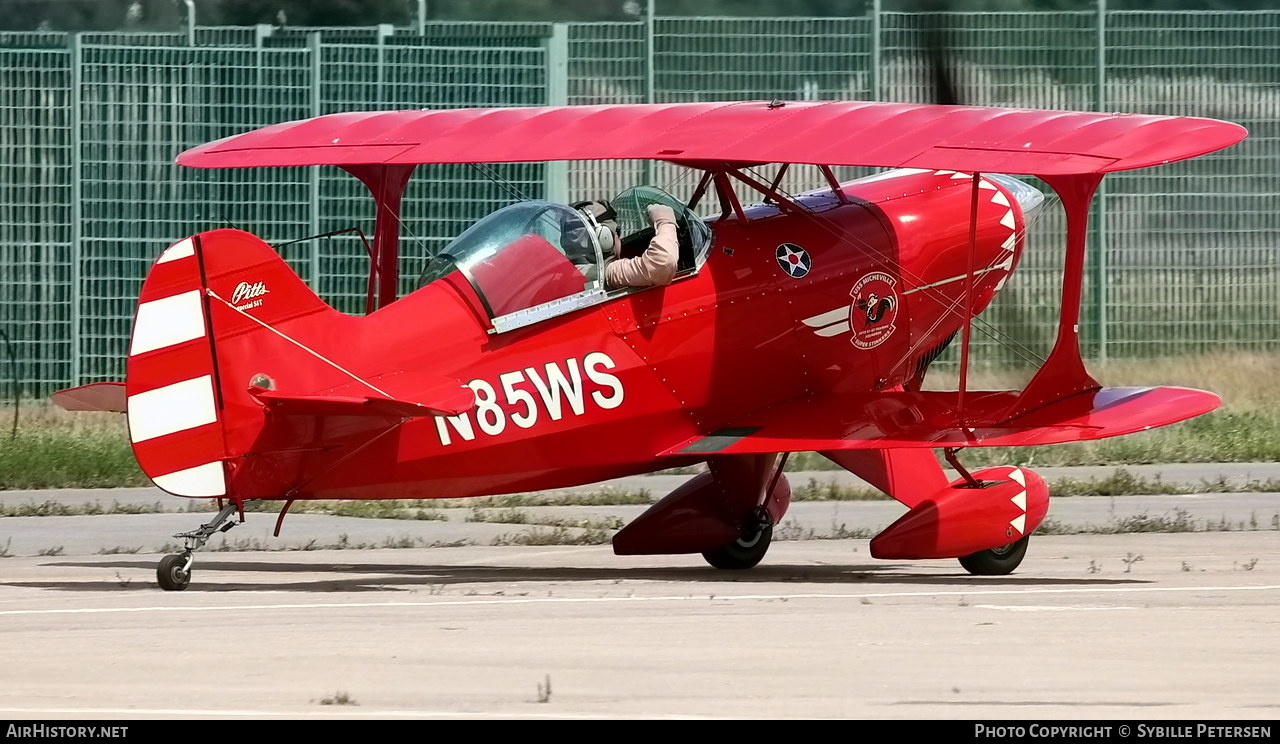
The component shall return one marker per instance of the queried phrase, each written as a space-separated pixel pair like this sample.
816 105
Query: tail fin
205 300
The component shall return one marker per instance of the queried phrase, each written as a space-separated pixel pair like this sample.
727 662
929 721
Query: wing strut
1063 373
968 296
386 183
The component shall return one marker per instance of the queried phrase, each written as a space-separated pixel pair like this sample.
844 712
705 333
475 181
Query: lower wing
947 419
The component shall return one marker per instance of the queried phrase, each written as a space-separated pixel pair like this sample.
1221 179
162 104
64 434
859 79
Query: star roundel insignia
794 260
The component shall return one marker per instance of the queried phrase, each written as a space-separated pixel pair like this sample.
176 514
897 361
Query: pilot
655 266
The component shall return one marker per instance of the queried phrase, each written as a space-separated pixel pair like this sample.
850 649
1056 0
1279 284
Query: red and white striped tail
170 382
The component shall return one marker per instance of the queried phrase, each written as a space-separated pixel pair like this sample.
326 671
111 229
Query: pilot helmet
602 219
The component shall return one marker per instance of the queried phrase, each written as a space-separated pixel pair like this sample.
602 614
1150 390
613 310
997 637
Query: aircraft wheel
996 561
171 575
744 552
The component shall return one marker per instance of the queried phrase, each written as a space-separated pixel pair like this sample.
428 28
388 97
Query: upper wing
939 419
889 135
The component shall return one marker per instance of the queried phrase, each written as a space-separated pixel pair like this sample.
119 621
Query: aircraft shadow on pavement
375 577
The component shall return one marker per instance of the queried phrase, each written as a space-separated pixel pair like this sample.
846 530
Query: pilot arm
657 265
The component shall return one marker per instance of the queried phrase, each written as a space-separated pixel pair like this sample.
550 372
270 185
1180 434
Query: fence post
385 30
649 91
76 195
557 49
313 47
262 32
874 63
1100 198
648 52
191 22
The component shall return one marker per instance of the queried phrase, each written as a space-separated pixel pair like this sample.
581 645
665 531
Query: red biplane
799 323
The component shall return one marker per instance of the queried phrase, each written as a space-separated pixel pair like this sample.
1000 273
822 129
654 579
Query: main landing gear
996 561
174 571
748 550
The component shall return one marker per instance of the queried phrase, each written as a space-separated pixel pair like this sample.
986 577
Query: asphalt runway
1142 627
1137 627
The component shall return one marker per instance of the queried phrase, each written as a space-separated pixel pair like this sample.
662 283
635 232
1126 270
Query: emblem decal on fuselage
874 309
794 260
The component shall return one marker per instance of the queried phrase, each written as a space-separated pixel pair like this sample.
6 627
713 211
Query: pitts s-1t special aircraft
800 323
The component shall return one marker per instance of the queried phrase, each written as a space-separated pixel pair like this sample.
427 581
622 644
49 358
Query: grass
57 449
508 509
600 532
50 508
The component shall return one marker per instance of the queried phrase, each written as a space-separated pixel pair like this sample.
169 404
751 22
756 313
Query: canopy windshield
522 255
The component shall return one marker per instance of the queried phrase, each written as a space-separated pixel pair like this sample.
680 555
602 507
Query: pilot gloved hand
658 213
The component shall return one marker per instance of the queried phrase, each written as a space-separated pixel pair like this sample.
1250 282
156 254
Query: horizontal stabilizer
938 420
348 405
96 396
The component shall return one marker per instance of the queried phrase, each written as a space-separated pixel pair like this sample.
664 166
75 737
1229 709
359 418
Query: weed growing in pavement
338 698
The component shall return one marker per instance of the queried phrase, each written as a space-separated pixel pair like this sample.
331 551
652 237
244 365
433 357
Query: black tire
170 574
996 561
743 553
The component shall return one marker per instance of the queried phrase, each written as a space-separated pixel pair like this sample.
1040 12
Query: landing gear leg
174 571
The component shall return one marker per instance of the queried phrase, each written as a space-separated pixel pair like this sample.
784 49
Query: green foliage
170 15
51 508
67 458
556 536
606 496
305 12
1179 521
833 491
388 509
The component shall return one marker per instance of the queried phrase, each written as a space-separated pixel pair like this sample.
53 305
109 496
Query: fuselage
846 295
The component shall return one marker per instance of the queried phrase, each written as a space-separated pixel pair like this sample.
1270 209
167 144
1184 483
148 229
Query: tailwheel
996 561
174 572
746 551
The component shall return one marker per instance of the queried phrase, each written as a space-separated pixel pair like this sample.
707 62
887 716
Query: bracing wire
980 324
497 178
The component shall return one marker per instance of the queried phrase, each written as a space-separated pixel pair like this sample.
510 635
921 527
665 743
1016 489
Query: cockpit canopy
531 253
522 255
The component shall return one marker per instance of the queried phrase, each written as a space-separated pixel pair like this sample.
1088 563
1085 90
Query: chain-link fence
1182 257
